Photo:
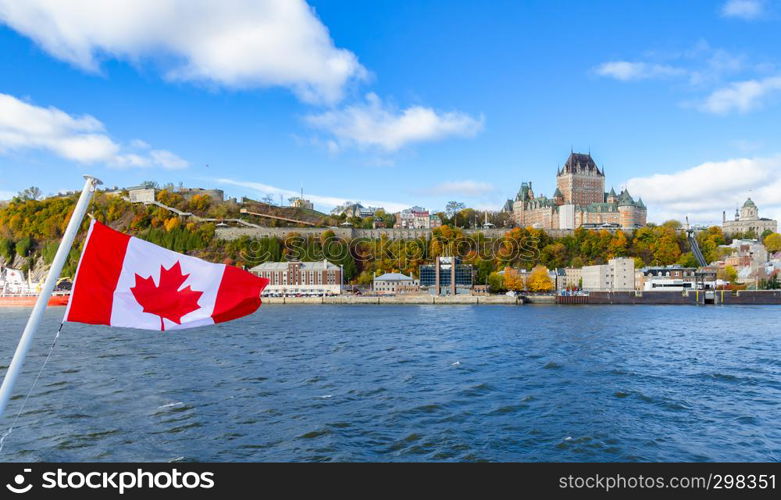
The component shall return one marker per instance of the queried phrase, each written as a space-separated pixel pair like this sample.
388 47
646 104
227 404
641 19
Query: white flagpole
43 299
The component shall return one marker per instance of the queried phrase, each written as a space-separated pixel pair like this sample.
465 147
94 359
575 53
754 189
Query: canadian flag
125 281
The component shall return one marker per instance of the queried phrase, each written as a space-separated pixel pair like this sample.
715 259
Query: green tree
484 267
32 193
688 260
49 250
496 283
24 246
452 208
7 249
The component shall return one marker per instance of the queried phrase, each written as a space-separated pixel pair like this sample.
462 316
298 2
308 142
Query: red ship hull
29 300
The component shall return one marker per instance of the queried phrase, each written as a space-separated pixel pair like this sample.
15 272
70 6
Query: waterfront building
580 200
305 278
417 218
394 283
747 220
569 278
447 276
669 278
618 275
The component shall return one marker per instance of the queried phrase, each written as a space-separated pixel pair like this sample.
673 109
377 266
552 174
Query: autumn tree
555 255
729 274
172 223
200 202
773 242
513 280
539 280
619 244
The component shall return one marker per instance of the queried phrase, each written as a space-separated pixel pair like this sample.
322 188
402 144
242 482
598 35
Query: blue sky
397 103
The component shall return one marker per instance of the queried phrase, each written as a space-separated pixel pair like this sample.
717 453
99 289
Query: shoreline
594 299
400 299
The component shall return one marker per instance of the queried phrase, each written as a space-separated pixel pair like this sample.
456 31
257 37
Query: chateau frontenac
580 200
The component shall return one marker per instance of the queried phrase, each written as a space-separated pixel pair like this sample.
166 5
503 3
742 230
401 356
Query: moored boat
15 291
28 300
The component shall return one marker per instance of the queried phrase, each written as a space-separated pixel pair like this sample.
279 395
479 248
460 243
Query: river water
408 383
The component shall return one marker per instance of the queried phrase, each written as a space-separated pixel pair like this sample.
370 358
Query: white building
618 275
669 278
748 220
393 283
141 195
300 278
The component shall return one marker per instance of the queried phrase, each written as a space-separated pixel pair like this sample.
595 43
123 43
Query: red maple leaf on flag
166 300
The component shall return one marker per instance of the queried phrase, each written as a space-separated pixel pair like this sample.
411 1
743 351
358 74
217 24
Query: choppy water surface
409 383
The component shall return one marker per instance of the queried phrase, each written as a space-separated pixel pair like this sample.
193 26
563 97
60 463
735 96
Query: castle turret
611 196
558 197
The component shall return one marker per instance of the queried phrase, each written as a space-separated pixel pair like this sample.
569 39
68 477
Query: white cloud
704 67
628 71
6 195
704 191
374 124
229 43
743 9
742 96
466 188
327 201
167 159
78 138
699 65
